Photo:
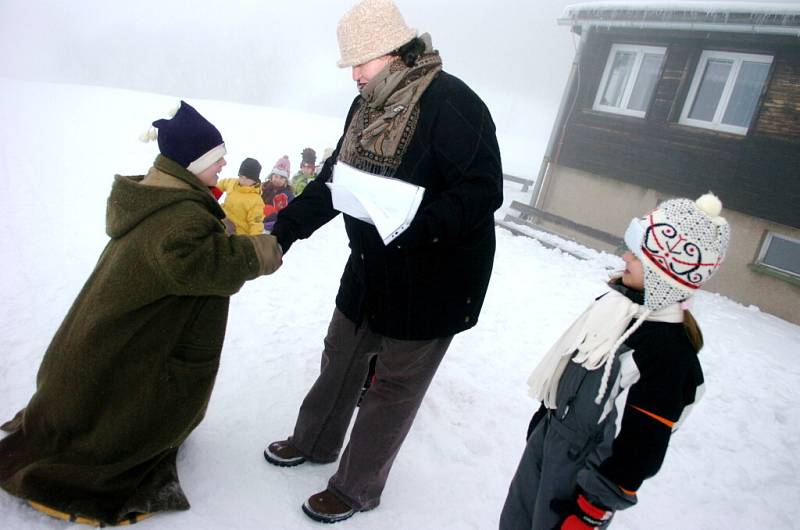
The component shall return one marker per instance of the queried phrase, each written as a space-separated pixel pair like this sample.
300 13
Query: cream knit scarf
593 339
387 116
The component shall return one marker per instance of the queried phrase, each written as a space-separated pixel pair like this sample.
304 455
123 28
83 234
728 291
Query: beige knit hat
370 29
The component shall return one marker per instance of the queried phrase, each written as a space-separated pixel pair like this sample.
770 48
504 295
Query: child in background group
621 379
129 373
307 171
243 205
325 156
276 192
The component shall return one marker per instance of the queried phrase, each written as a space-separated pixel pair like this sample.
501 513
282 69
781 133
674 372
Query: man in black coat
403 301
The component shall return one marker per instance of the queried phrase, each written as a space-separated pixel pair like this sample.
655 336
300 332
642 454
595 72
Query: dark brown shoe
283 453
326 507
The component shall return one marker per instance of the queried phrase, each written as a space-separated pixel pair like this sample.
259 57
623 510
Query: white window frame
640 51
768 237
722 105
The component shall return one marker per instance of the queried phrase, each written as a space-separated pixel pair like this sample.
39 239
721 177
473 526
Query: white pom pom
710 204
149 135
173 111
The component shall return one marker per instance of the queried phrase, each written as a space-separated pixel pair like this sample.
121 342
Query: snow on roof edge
756 8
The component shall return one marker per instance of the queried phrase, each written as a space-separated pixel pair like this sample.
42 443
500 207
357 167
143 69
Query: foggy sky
283 53
279 54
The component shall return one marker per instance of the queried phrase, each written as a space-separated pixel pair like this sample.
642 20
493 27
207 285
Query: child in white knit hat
621 379
276 192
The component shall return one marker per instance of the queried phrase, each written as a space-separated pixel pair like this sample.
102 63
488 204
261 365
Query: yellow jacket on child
243 206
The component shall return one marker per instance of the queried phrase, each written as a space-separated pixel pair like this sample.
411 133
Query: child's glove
280 201
583 515
269 253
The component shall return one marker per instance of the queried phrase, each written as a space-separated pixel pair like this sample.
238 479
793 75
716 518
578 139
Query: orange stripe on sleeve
656 417
626 492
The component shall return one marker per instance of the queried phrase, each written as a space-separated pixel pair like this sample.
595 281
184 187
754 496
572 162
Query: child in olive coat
129 373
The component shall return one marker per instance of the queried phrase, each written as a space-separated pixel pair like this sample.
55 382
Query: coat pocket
192 380
203 331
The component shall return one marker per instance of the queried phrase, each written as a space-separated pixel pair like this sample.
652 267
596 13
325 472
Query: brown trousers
404 370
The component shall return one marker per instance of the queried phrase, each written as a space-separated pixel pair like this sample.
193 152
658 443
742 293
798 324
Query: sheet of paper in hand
388 203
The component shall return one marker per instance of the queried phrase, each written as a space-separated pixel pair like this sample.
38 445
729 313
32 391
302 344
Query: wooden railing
529 214
526 183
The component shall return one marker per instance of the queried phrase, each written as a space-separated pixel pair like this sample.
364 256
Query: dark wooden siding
757 174
780 112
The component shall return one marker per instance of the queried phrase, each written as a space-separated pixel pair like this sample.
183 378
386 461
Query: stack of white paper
388 203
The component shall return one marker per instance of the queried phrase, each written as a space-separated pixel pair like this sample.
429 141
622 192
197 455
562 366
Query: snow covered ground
733 465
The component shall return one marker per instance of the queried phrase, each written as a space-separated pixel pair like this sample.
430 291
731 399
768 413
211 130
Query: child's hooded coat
129 372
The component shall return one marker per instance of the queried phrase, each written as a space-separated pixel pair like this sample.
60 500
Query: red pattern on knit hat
282 166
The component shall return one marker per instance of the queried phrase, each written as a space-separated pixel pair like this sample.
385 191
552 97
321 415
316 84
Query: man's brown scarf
387 115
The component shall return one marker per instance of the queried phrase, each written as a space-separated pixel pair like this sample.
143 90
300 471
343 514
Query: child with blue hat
130 371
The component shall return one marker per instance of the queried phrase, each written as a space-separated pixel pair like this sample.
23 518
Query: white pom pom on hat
149 135
711 205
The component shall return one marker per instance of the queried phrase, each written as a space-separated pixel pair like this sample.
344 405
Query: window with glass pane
782 253
646 81
629 79
618 79
710 91
725 91
746 92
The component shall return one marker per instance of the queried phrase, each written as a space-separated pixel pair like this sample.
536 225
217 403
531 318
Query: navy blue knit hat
189 139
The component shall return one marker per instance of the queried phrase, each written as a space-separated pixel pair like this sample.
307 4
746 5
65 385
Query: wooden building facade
678 101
